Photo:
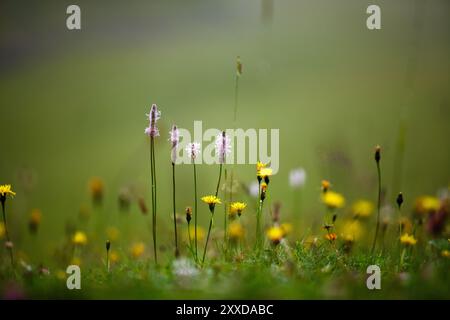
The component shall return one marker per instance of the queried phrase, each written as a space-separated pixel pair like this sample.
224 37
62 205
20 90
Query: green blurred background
73 103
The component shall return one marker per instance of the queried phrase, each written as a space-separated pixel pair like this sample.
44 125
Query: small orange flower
331 236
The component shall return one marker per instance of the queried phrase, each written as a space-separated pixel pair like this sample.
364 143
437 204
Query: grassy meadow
73 108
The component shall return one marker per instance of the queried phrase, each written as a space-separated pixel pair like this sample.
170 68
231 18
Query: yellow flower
200 233
287 228
275 234
2 230
237 208
445 253
265 172
408 240
211 201
236 231
112 233
333 200
114 256
362 208
79 238
352 230
259 166
5 190
427 204
137 249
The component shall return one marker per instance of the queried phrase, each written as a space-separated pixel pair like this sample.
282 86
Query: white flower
193 149
253 189
297 178
153 117
223 146
174 139
184 268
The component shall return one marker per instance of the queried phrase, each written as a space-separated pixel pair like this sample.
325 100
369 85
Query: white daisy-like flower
297 178
193 149
223 146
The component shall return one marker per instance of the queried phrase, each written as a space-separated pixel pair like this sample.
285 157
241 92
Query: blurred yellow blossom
200 233
237 208
352 230
275 234
114 256
362 208
236 231
408 240
426 204
137 249
333 200
79 238
287 228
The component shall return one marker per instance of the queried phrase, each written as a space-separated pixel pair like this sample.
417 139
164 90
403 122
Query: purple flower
153 117
223 146
174 139
193 149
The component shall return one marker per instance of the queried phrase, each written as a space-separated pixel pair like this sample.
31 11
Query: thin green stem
195 212
236 92
378 208
11 255
225 212
153 173
174 211
207 237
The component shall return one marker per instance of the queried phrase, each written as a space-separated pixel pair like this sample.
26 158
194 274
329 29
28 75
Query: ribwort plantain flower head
223 146
153 117
193 149
174 140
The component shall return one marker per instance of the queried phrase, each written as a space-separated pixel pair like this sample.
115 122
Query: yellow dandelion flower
237 208
333 200
265 172
408 240
275 234
259 166
445 253
2 230
79 238
112 233
287 228
427 204
137 249
362 208
5 190
352 230
331 236
200 233
235 231
211 201
114 256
